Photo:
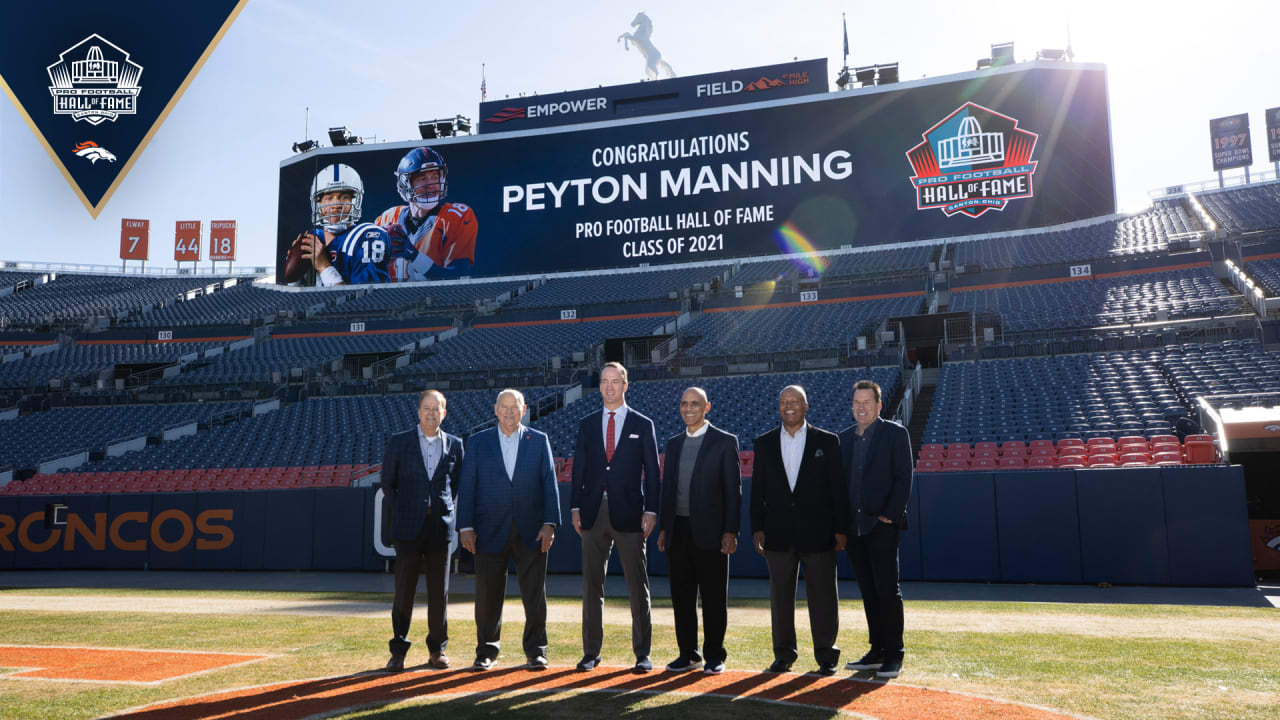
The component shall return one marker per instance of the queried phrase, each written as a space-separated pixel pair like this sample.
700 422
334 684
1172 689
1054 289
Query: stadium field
303 654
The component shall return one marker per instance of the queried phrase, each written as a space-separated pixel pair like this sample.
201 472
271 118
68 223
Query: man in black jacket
799 516
701 504
877 461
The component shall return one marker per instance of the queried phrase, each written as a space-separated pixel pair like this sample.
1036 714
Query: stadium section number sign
134 235
924 159
186 241
1229 137
222 240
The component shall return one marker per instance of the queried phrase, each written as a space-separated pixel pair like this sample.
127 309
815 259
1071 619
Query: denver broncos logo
94 152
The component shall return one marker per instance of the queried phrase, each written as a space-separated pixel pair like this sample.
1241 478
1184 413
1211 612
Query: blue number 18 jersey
361 255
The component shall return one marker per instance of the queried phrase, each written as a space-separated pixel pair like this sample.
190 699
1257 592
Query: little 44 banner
94 82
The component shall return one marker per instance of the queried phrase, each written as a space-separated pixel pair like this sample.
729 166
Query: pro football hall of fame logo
94 81
972 161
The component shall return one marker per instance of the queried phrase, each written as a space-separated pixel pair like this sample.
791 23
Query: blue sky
380 66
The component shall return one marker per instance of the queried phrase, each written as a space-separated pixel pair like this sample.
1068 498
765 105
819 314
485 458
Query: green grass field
1125 661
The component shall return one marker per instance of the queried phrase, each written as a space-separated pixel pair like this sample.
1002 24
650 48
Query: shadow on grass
555 693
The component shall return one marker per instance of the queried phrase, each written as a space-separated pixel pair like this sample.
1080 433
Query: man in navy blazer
420 471
508 505
800 517
614 500
877 460
701 509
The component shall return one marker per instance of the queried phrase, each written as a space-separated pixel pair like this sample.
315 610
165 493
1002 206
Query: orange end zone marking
326 696
111 665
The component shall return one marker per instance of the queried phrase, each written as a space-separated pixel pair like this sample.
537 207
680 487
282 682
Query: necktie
608 439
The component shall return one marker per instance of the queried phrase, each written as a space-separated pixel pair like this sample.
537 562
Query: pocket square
633 436
818 453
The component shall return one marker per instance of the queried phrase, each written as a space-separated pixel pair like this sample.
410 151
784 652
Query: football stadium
223 471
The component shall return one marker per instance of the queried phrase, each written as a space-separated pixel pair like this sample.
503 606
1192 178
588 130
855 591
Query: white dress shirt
793 452
619 417
433 448
510 445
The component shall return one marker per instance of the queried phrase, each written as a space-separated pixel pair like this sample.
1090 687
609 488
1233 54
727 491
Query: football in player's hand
296 263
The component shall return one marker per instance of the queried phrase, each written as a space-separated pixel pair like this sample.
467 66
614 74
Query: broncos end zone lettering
168 530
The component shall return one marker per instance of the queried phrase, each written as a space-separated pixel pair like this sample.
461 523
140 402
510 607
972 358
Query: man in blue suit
508 506
877 461
614 499
420 471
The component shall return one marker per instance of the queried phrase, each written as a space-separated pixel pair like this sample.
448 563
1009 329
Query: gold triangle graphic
173 101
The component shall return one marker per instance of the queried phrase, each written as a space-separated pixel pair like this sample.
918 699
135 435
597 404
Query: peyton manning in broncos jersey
351 252
430 238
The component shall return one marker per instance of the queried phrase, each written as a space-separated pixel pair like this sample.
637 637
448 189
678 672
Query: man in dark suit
701 504
614 500
508 506
877 460
420 471
799 516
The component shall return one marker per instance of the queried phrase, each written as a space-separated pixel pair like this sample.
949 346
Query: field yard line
1094 625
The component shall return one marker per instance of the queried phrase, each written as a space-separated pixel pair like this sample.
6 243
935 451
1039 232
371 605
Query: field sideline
1097 659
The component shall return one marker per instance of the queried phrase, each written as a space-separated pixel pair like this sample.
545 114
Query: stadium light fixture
339 136
427 129
843 79
444 128
462 125
1055 54
1002 54
983 63
887 74
305 145
866 76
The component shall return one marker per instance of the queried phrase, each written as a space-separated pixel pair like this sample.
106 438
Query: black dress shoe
779 666
826 669
643 665
588 663
395 664
538 662
871 661
890 668
482 664
684 663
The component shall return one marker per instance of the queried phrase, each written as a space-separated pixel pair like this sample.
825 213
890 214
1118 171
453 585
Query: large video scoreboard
1022 146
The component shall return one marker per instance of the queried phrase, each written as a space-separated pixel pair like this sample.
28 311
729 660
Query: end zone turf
112 665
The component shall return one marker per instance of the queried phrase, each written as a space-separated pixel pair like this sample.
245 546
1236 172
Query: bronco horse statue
653 61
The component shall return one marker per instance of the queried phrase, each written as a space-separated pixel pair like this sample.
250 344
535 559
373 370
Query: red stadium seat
1103 461
984 463
1040 461
1135 459
934 455
933 447
1041 444
1070 442
1044 451
958 450
1100 441
991 453
1200 452
1073 450
955 464
1164 439
1012 462
928 466
1073 461
986 445
1166 458
1016 448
